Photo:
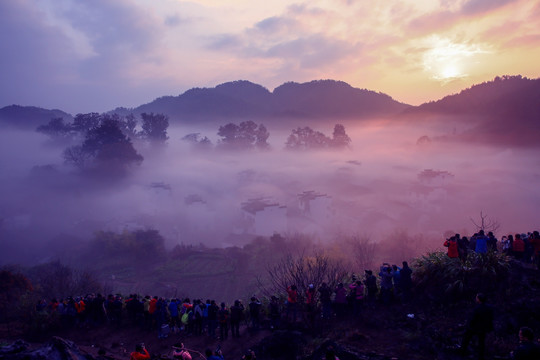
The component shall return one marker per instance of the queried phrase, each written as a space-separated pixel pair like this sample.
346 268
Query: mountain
505 110
29 117
316 99
503 96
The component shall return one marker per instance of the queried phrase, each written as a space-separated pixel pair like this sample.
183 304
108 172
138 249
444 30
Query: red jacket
140 356
519 245
293 296
152 306
452 246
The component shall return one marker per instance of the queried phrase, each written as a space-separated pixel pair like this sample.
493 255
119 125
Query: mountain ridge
506 96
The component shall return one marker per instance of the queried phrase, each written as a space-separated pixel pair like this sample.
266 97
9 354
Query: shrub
441 278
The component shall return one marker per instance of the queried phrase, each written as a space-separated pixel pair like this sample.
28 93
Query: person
481 243
357 294
311 305
274 312
340 300
255 313
249 355
237 312
527 349
140 353
518 247
406 282
463 247
535 241
180 352
452 245
223 318
386 275
480 324
213 310
506 245
371 285
492 242
292 300
217 355
325 295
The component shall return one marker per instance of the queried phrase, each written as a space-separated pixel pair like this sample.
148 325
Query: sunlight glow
446 60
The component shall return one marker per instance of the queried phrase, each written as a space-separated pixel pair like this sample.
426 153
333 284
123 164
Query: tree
340 139
198 141
302 270
86 122
246 135
105 147
154 127
56 129
486 223
305 138
13 286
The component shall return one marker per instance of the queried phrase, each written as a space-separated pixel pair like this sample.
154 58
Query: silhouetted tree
128 125
154 127
304 138
56 129
85 122
246 135
104 147
301 270
198 141
340 139
486 223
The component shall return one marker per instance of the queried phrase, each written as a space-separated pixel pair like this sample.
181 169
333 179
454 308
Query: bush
444 279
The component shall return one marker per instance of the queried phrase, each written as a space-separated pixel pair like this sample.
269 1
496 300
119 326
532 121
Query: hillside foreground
430 326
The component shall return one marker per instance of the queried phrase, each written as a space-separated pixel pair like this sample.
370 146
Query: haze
381 185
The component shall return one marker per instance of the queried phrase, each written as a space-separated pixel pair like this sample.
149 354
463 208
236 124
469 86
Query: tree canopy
246 135
105 147
305 138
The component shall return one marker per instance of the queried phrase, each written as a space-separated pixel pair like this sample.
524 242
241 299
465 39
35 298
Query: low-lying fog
387 181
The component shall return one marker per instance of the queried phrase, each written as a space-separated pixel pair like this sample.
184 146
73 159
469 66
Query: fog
388 180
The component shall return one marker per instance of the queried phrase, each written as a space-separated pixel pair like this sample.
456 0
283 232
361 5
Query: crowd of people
315 304
220 321
523 247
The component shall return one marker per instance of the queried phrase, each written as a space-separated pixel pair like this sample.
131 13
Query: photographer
180 352
140 353
218 355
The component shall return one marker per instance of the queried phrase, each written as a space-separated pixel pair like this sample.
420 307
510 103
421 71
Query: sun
446 60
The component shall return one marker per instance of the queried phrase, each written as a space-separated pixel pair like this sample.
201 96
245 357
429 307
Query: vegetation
305 138
441 278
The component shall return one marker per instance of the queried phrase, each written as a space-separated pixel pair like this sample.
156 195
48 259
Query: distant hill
242 99
29 117
506 109
507 95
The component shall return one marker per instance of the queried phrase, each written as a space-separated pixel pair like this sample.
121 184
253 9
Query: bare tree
301 270
486 223
362 251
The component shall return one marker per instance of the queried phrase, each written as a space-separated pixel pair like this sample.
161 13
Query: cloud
475 7
314 51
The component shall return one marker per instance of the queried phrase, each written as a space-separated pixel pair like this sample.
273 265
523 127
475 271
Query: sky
94 56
